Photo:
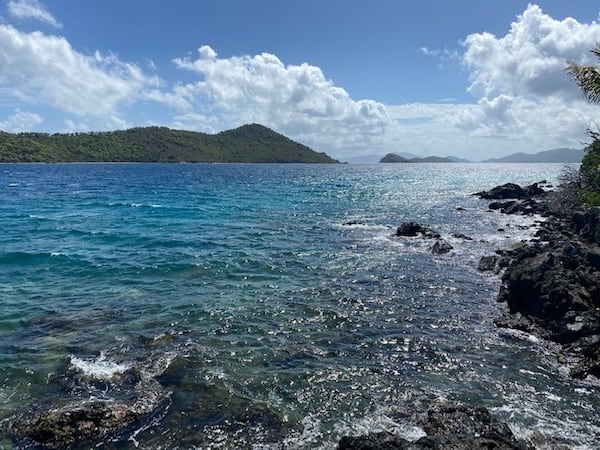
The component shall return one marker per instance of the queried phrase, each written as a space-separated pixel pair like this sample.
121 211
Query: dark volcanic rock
375 441
493 263
462 236
512 191
440 247
87 421
412 229
75 423
525 207
82 422
508 190
353 222
587 225
447 427
552 288
517 199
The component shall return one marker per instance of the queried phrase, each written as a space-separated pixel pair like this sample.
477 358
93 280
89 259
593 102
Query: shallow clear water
269 320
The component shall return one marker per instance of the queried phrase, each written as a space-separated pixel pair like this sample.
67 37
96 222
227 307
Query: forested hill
247 144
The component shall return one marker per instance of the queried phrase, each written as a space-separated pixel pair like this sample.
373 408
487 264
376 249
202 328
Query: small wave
378 422
363 226
100 368
144 205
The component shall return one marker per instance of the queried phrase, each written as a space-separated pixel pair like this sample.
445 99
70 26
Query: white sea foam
378 422
99 368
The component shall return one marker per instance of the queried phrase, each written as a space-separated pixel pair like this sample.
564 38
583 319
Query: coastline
448 307
551 288
551 284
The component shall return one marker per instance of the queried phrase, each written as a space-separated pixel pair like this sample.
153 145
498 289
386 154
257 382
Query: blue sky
468 78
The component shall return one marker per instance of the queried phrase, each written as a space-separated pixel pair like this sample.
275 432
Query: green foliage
249 144
589 198
590 175
588 78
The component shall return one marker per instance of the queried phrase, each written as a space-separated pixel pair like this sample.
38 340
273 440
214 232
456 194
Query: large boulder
587 225
553 284
412 229
512 191
505 191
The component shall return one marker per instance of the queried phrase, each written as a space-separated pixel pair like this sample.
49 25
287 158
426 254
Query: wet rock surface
85 422
413 229
513 191
441 246
446 426
552 284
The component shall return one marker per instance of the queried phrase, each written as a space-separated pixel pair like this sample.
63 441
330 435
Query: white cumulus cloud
295 99
31 9
38 68
530 59
520 81
20 121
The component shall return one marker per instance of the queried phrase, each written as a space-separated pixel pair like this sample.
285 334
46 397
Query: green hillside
247 144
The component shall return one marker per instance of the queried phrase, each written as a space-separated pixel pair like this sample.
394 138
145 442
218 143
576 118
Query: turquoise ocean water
270 304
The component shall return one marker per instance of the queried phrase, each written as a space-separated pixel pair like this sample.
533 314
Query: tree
588 79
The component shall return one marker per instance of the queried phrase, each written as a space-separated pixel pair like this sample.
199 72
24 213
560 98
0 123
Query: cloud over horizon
522 98
295 99
520 81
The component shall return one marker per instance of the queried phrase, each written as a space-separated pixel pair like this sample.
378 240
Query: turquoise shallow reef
267 306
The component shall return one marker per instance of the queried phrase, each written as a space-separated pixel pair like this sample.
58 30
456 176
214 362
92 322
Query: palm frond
588 79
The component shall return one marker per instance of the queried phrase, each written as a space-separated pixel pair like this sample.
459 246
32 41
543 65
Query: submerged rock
353 222
81 422
441 247
127 400
447 427
75 423
462 236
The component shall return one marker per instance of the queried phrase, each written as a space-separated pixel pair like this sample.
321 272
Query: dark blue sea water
267 321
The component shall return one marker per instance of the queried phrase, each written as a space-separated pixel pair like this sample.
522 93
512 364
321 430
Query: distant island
247 144
557 155
395 158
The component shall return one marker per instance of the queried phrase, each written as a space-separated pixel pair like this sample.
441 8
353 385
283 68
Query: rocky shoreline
551 285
